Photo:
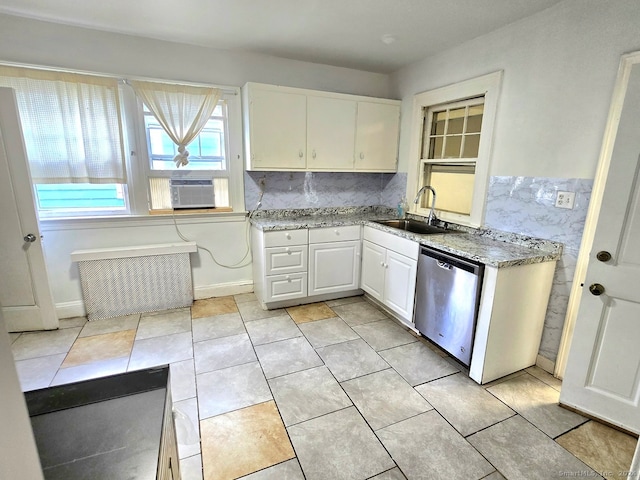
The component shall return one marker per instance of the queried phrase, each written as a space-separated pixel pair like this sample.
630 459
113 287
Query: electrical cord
199 247
247 241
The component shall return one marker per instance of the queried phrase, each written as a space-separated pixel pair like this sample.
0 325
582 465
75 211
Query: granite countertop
490 247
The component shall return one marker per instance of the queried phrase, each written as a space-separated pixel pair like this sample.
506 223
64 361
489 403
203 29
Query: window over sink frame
474 170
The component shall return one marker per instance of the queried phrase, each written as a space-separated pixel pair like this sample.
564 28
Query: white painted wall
559 71
42 43
18 453
39 43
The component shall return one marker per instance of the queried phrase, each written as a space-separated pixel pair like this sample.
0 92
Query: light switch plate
565 199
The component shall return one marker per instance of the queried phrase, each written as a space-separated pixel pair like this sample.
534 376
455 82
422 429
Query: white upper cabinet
290 129
331 133
280 142
377 134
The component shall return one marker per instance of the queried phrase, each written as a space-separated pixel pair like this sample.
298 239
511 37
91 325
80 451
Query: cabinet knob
382 264
288 278
288 235
336 231
288 250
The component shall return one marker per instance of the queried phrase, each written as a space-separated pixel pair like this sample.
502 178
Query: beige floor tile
601 447
209 307
100 347
538 403
244 441
72 322
310 312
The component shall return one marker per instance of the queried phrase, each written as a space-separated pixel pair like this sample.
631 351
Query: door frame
627 61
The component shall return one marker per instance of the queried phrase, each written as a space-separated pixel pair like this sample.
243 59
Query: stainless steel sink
414 226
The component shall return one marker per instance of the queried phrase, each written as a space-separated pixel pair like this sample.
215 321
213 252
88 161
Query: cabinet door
377 133
278 130
372 274
331 133
400 284
334 267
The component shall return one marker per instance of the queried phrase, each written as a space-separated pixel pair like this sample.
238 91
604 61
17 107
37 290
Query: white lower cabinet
389 266
306 265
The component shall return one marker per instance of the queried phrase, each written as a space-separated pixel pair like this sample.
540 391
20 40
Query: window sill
166 217
191 211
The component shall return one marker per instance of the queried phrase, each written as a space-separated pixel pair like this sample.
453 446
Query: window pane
474 122
435 151
453 185
471 145
206 152
456 121
452 147
80 197
438 123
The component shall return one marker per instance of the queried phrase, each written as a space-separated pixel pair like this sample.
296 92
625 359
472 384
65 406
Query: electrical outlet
565 199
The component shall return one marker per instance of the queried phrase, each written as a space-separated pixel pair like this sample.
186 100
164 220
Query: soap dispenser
402 207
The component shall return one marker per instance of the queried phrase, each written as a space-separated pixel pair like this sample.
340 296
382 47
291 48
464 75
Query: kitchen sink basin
414 226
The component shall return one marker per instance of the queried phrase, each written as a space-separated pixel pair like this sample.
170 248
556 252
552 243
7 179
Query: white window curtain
71 123
181 110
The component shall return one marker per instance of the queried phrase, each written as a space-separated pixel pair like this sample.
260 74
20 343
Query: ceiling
345 33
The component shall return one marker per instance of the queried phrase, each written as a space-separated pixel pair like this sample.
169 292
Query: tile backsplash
523 205
322 190
526 205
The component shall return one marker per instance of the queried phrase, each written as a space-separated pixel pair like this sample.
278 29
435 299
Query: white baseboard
76 308
70 309
222 290
545 364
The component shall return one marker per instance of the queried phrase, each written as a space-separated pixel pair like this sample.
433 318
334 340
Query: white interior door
602 377
25 295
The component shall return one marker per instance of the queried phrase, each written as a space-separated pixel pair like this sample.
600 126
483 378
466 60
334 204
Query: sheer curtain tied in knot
181 110
182 158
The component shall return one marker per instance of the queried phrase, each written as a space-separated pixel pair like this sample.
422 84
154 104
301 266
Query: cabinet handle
300 154
361 155
313 154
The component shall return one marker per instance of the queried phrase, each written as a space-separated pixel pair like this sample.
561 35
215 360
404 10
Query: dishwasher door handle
443 265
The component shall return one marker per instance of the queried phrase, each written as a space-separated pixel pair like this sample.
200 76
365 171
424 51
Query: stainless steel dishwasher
447 299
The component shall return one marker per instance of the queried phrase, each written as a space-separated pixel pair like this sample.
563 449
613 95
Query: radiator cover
116 287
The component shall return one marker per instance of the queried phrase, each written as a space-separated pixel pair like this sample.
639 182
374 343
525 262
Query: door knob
603 256
30 238
596 289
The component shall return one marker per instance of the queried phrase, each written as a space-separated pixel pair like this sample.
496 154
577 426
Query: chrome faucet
433 202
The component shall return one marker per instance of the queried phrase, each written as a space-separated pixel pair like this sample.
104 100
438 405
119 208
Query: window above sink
452 136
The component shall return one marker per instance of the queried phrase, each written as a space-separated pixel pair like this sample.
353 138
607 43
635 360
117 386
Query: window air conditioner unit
191 192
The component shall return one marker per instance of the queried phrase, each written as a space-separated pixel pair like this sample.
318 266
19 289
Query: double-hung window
452 143
94 149
208 157
72 127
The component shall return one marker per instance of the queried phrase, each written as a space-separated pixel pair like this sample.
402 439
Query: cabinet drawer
282 238
408 248
285 287
286 259
334 234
